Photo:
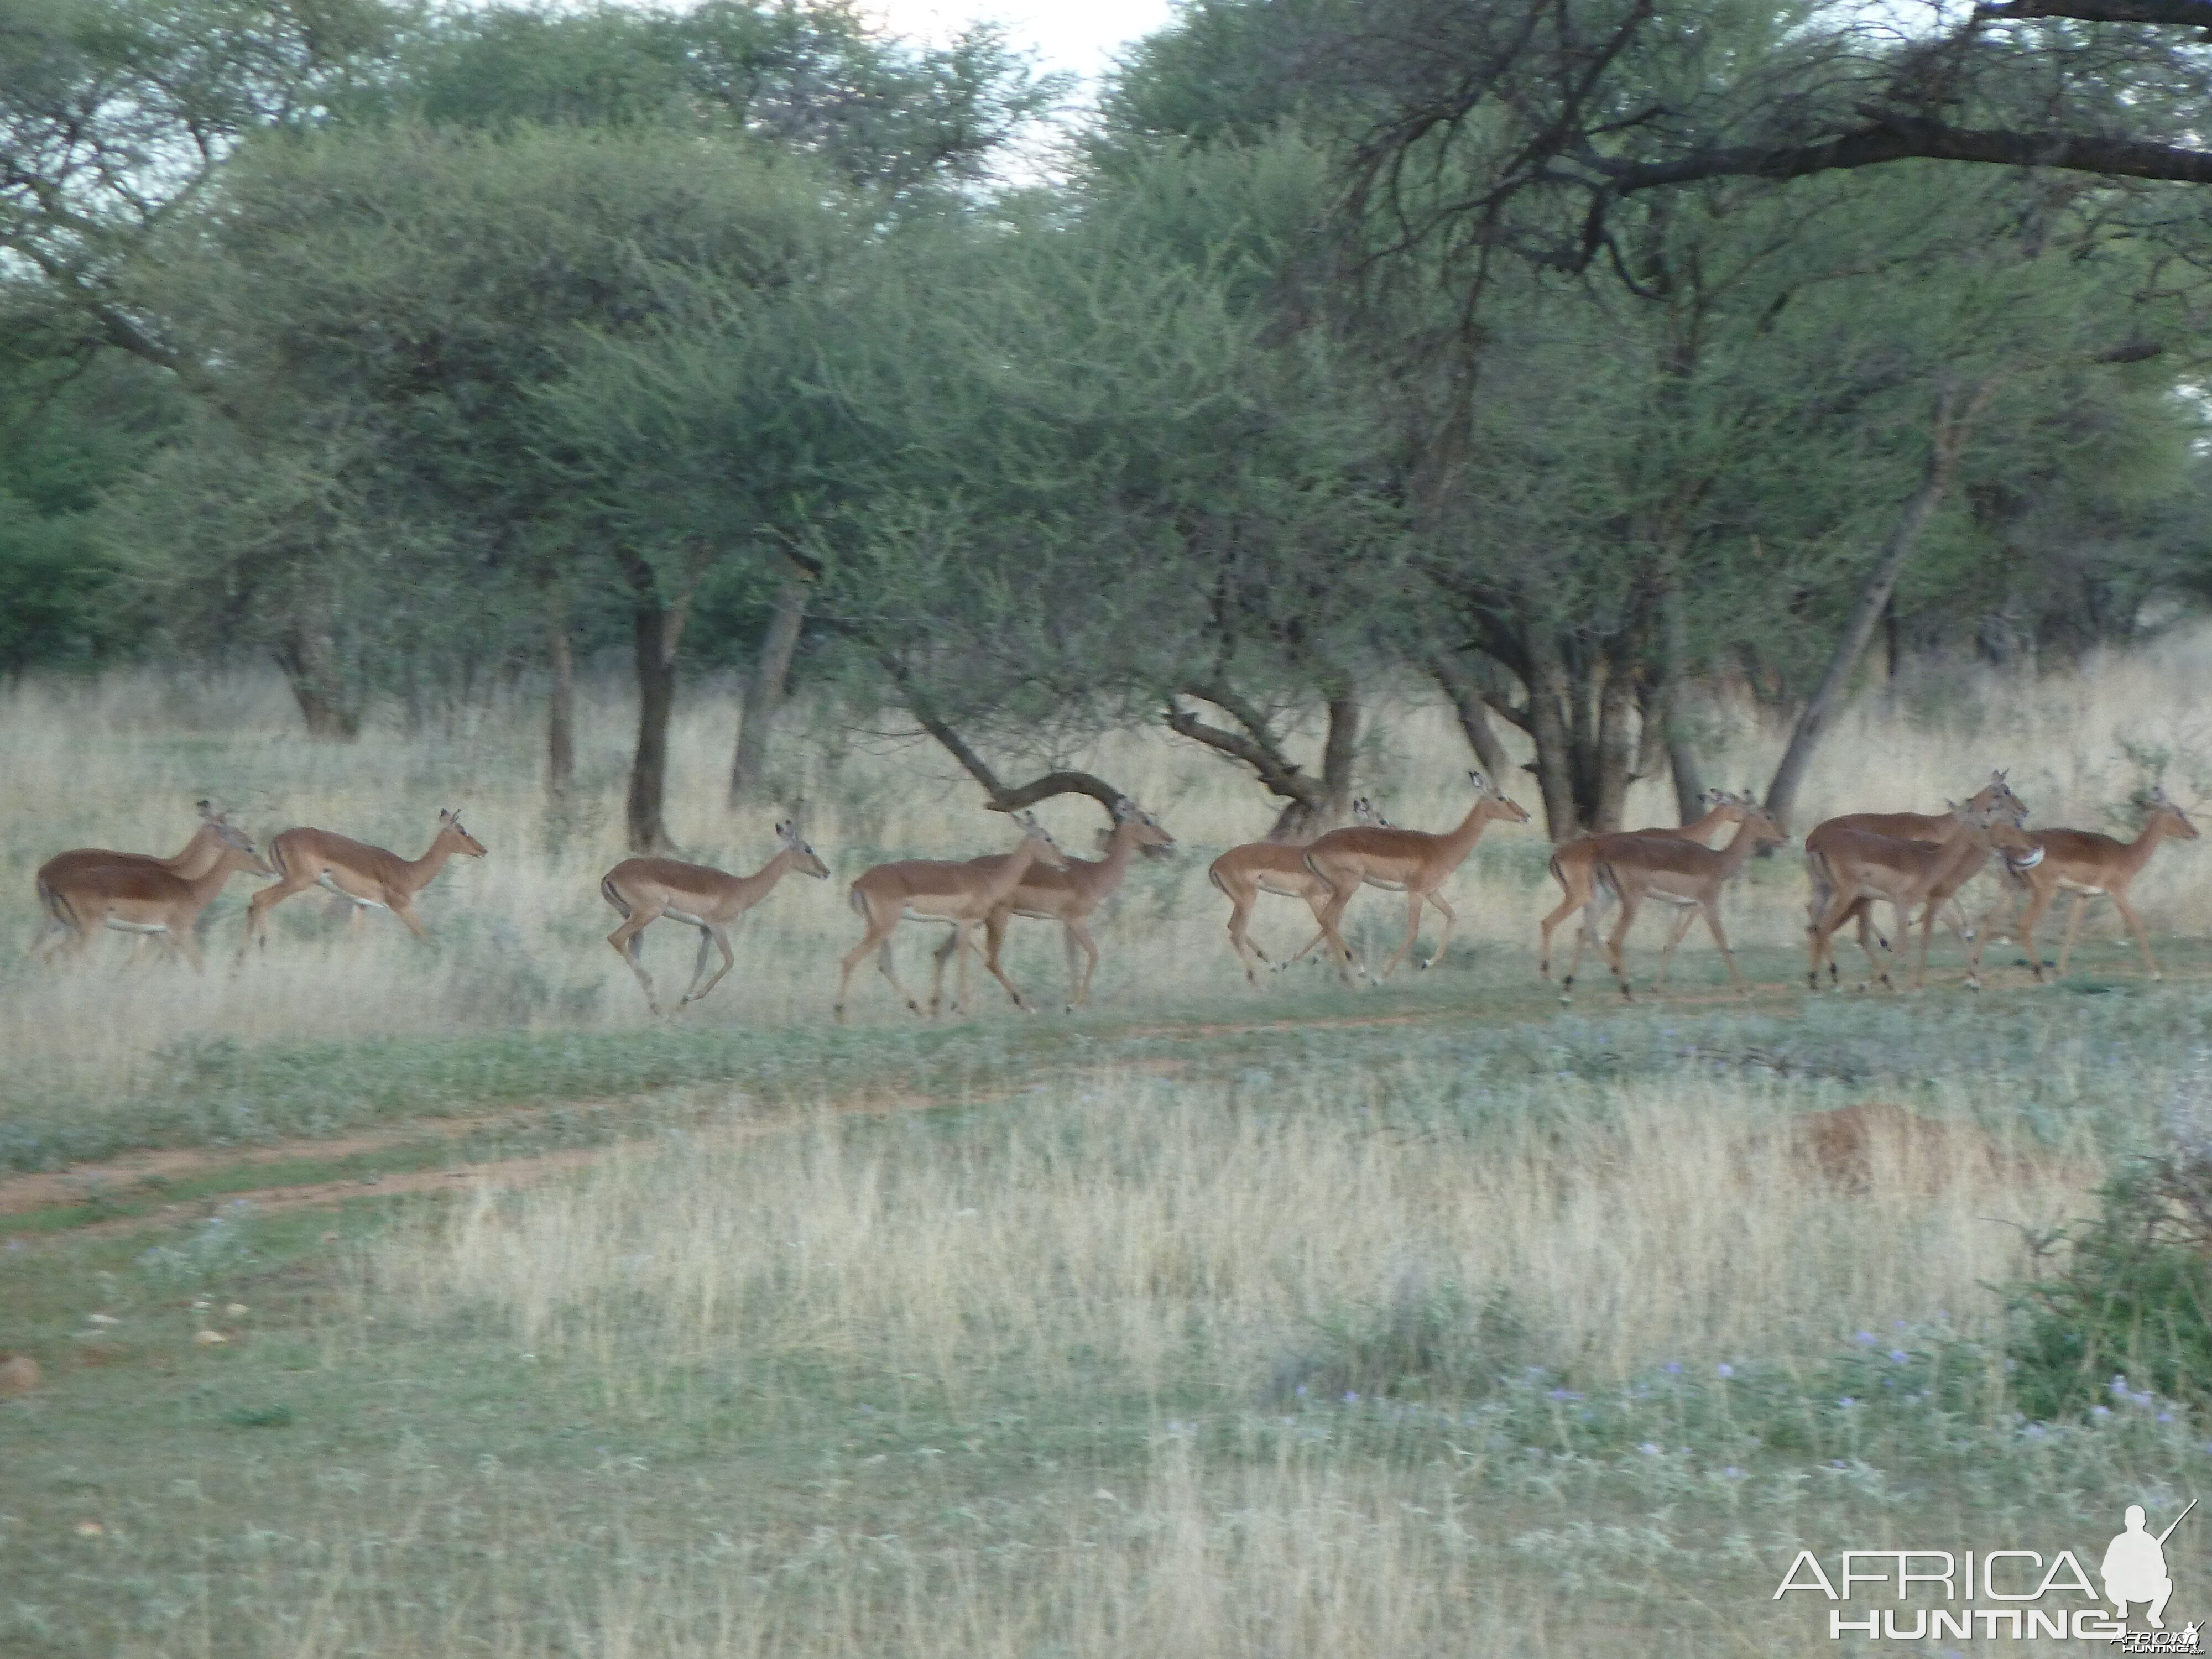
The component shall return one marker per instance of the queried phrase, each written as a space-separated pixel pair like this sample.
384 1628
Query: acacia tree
1168 513
393 302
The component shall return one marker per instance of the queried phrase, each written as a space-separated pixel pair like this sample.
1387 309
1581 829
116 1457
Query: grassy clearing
1212 1321
1371 1340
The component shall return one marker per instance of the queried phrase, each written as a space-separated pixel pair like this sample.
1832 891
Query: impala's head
238 853
2176 821
1997 796
1047 850
1151 840
803 857
1502 804
1761 825
1731 806
1363 813
1995 822
449 828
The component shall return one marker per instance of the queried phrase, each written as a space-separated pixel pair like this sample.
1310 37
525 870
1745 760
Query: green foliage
2123 1319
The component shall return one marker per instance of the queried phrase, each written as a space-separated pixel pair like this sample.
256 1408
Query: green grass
366 1469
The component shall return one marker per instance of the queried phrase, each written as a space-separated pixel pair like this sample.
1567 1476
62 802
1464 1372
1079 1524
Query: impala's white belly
121 927
675 914
351 898
2081 887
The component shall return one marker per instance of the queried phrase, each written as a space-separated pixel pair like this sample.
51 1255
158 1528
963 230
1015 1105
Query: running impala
699 896
1945 827
1684 873
1574 867
2087 865
940 890
196 858
1069 896
1855 868
1244 872
367 876
144 898
1409 860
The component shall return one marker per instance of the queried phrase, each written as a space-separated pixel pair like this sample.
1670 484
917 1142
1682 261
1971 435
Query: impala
367 876
1574 868
1942 827
699 896
935 890
196 858
2087 865
1857 866
1068 896
1687 873
144 898
1410 860
1242 873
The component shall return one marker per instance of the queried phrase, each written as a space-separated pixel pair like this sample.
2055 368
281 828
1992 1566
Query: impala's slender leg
997 973
1630 904
1578 890
1868 937
1077 935
877 938
1443 943
2038 901
1331 914
720 936
189 946
2073 932
1823 934
628 941
1589 933
1674 937
1710 904
259 906
938 956
1240 938
404 910
2134 923
1412 935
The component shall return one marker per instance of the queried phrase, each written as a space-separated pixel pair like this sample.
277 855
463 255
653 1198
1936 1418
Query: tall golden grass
117 761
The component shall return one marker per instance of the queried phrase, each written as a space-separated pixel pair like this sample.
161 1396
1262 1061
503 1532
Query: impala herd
1909 861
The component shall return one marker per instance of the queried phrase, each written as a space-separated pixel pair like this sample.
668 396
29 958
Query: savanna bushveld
1383 843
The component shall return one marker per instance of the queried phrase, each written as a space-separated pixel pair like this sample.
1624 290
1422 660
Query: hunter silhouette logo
2021 1594
2134 1566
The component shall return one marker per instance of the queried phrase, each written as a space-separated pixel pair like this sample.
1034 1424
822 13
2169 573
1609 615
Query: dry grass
1024 1378
1110 1244
117 761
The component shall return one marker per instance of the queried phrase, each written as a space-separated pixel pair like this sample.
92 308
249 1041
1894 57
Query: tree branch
1281 776
2182 13
1889 138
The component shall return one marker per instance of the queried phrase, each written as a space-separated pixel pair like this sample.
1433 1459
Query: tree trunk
560 708
657 630
1612 762
765 688
309 657
1550 729
1474 722
1955 418
1682 759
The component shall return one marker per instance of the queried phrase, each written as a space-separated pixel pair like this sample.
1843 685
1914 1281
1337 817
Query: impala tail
56 905
1213 875
606 886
